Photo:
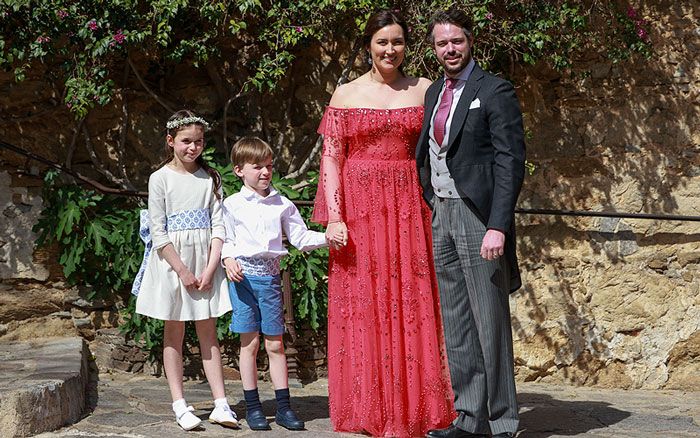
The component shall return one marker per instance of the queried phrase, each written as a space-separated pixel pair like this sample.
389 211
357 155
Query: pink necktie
443 111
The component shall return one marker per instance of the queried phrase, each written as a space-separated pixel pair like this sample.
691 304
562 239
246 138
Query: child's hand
188 279
234 272
337 234
336 242
205 281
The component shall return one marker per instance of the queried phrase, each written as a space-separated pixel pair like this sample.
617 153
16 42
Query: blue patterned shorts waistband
259 267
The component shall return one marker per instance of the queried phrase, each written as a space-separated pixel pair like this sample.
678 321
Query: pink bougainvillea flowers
119 37
92 25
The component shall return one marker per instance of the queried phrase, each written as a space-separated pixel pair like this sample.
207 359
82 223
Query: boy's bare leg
250 343
278 361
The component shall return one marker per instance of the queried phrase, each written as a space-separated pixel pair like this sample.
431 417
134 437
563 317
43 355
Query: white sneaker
186 419
224 416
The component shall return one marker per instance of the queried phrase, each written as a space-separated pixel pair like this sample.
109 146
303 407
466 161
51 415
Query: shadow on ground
308 408
543 416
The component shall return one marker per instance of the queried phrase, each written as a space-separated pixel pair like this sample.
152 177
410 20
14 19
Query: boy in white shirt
255 219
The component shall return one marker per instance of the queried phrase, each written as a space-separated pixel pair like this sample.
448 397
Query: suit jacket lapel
468 94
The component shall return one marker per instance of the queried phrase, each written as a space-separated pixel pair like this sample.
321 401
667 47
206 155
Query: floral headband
173 124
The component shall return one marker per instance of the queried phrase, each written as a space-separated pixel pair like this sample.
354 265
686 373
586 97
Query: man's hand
234 272
492 245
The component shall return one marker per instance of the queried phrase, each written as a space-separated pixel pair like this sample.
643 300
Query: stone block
48 388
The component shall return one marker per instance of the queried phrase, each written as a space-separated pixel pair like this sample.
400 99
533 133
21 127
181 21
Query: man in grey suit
471 162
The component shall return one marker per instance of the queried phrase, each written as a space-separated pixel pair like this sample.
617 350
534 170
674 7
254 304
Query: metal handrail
614 214
539 211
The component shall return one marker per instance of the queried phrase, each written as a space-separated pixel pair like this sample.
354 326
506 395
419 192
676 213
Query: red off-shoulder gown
387 367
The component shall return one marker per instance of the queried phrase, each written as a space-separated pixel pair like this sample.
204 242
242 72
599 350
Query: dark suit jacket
486 154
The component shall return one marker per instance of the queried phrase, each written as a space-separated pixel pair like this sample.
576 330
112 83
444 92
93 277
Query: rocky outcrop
44 385
614 302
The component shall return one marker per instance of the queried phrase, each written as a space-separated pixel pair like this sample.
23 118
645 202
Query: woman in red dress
387 368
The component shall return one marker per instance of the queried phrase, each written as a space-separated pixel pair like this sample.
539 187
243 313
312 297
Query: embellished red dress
387 367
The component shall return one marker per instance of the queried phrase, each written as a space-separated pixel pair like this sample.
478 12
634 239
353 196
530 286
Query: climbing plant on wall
245 47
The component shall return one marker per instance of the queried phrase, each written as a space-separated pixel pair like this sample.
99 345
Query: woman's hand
337 234
234 272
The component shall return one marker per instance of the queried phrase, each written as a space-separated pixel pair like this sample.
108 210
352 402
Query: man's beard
459 67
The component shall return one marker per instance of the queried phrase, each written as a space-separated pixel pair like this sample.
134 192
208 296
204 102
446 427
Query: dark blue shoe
289 420
256 420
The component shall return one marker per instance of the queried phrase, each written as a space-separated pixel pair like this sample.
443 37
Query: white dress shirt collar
252 194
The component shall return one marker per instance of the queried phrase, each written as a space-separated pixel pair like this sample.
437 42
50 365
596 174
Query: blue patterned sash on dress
183 220
259 267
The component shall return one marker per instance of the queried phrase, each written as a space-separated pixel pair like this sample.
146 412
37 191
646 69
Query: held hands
492 245
188 279
234 272
205 281
337 234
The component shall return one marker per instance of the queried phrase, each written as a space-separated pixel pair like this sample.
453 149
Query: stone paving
125 405
44 383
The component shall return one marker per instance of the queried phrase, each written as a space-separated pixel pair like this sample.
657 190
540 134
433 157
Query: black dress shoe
256 420
453 431
504 435
289 420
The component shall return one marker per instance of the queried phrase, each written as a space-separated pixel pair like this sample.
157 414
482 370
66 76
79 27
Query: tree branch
96 185
71 146
121 146
143 84
96 161
225 116
319 140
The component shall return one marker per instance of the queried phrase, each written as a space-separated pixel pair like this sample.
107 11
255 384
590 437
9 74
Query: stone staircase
43 385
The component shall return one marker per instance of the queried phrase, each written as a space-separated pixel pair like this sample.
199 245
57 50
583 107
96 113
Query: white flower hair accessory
173 124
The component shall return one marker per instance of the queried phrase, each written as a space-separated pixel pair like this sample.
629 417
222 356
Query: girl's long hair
170 154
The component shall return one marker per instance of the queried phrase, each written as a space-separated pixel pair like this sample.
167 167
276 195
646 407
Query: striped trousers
476 319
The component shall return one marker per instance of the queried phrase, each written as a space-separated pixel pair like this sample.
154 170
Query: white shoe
224 416
186 419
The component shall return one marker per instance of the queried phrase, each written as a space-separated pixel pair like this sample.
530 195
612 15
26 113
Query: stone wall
605 302
614 302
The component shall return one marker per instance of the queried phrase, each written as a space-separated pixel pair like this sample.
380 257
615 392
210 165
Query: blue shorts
257 305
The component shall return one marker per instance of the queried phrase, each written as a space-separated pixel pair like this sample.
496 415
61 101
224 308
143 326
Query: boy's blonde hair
252 150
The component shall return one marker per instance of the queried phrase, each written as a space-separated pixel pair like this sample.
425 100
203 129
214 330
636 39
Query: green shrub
99 247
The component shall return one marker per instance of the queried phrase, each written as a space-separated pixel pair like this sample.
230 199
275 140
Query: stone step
43 385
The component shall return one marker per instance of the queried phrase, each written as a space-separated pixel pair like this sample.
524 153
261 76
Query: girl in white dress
180 278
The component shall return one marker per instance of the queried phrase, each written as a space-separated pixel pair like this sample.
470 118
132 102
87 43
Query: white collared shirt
441 180
255 226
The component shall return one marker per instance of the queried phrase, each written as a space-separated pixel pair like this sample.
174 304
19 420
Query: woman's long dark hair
170 154
382 19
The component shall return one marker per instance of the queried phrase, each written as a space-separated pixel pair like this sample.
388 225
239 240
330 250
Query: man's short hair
452 16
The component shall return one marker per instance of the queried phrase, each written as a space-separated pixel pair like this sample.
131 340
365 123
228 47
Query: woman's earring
369 59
